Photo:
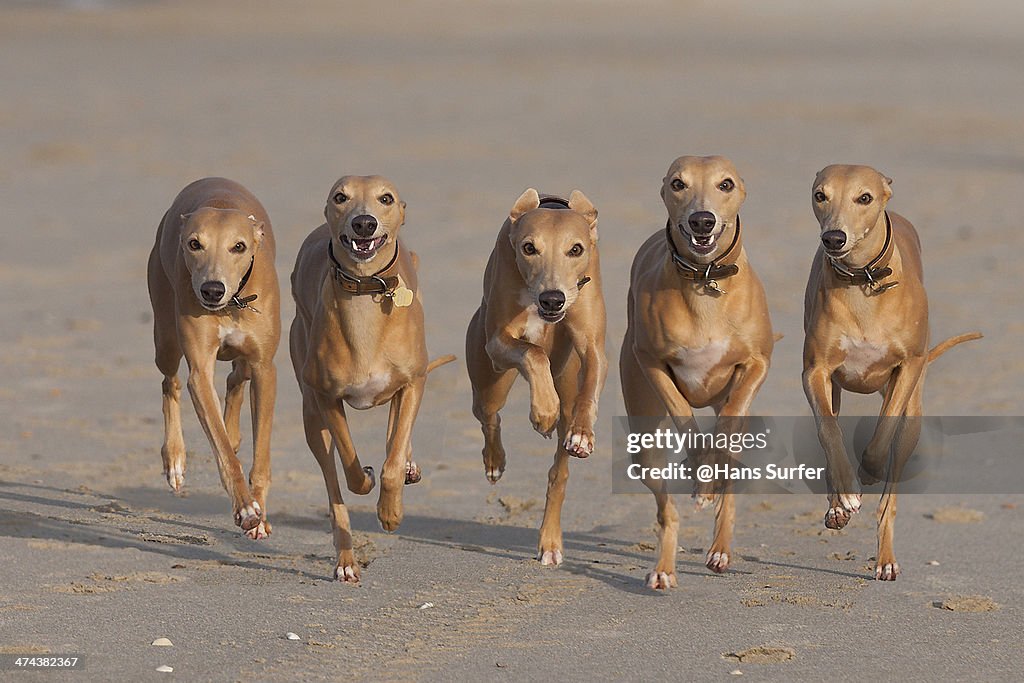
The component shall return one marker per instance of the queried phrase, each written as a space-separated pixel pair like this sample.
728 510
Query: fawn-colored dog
542 317
698 334
358 338
866 331
215 296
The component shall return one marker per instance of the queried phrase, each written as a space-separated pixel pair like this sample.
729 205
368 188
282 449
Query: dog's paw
660 581
579 441
413 475
493 474
837 518
175 475
717 561
249 516
550 558
867 476
544 409
347 573
258 532
887 571
543 420
389 511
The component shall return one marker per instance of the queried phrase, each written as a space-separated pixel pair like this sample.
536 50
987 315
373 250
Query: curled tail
944 346
443 360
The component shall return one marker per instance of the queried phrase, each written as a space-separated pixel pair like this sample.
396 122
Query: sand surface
109 108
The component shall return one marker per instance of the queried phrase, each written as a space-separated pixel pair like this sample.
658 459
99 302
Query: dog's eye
678 185
577 250
726 185
820 197
340 197
239 248
865 199
529 249
387 199
194 245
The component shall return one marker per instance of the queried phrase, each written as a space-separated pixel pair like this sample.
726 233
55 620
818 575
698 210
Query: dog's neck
365 278
868 264
721 266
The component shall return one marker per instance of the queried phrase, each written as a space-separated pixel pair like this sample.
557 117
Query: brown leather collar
706 274
241 302
875 271
381 282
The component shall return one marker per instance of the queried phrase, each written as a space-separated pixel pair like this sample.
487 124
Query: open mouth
836 255
364 248
552 317
701 244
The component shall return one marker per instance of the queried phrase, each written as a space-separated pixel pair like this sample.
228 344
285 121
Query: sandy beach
109 108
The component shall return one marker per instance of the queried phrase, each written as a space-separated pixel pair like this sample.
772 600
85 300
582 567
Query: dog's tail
778 336
944 346
438 362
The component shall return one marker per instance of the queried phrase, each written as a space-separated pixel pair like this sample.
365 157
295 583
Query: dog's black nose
364 225
834 240
702 222
212 291
551 301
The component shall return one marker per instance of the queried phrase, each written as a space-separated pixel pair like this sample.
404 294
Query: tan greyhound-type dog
866 327
358 338
698 333
542 316
215 296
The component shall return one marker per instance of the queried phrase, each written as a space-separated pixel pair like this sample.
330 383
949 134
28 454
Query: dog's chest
534 329
862 356
364 394
693 365
231 336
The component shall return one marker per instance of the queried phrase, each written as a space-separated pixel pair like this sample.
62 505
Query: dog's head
218 246
553 248
849 202
364 214
703 197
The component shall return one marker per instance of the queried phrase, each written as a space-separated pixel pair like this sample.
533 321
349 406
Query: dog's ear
528 201
579 203
257 229
888 186
185 217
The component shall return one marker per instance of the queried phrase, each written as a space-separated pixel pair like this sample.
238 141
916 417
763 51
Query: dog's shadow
593 554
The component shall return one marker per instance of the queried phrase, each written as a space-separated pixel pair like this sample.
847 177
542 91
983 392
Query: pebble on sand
426 605
165 669
292 636
162 642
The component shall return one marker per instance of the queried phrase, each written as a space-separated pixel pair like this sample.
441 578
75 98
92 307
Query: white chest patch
230 335
861 355
534 325
362 396
691 366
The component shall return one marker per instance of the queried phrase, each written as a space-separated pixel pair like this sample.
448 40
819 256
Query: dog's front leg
247 511
507 352
732 420
579 436
844 492
359 479
661 381
263 391
399 467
